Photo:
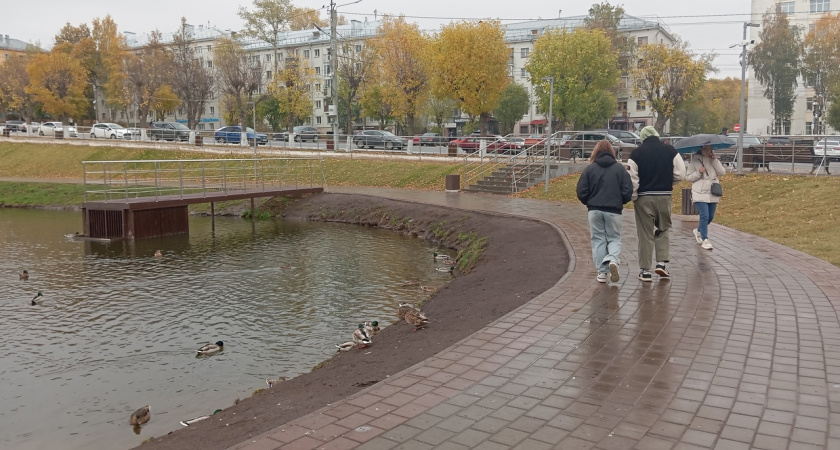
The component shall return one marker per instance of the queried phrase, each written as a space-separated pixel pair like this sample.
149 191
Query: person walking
654 168
702 172
604 187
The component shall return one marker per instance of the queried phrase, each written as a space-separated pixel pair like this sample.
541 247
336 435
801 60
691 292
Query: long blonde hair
602 147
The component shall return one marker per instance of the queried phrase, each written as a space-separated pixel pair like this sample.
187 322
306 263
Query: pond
118 327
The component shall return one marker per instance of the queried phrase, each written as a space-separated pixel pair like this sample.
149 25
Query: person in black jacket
604 187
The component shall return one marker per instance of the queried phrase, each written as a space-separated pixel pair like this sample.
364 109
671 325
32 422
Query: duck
416 318
404 308
413 282
427 288
345 347
372 328
24 275
189 422
271 382
158 254
140 416
450 269
210 349
441 256
360 337
449 262
36 300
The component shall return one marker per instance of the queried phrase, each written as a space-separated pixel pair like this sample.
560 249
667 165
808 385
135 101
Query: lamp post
254 118
550 116
744 44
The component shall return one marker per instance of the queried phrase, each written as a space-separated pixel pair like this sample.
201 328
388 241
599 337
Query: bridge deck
166 201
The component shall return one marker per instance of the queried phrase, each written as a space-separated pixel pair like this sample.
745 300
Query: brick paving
739 350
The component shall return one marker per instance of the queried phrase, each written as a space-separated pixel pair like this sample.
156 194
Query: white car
109 131
49 129
828 147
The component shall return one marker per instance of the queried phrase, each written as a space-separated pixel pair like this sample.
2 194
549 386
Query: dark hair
603 146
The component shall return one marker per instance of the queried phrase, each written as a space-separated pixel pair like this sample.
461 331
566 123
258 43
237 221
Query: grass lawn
800 212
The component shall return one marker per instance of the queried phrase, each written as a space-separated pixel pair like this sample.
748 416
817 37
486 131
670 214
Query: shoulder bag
716 189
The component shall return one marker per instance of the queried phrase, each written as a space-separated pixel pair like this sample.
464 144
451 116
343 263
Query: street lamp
744 44
550 116
254 118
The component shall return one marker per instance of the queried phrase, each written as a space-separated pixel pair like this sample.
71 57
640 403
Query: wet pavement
739 350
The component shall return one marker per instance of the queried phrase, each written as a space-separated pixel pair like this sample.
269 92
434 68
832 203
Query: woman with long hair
604 187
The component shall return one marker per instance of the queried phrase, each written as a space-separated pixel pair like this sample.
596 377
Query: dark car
168 131
582 144
302 133
624 136
16 125
433 139
233 134
378 138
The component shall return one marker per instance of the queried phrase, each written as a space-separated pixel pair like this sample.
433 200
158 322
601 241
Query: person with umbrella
654 168
702 172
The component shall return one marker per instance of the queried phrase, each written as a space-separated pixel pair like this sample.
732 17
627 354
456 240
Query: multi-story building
802 13
631 113
10 48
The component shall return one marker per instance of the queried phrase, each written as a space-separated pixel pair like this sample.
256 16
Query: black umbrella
695 143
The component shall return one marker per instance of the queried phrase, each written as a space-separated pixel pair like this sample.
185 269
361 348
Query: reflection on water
118 328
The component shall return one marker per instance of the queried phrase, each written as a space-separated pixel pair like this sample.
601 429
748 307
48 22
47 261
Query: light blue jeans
605 233
707 215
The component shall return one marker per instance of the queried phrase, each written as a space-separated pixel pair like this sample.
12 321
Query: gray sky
708 26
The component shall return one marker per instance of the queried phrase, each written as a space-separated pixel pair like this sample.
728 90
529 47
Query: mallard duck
416 318
189 422
271 382
360 337
404 308
427 288
372 328
24 275
345 347
158 254
450 269
36 299
449 262
441 256
210 349
140 416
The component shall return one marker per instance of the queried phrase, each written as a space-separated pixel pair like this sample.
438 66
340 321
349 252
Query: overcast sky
708 26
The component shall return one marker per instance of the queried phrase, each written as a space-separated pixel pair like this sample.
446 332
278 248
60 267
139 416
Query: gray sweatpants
653 221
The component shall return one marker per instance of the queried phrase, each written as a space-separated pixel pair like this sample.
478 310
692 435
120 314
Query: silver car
49 129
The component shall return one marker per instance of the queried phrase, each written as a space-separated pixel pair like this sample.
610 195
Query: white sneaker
614 277
602 278
706 244
697 236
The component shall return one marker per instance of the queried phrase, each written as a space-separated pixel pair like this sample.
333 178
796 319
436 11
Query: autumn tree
400 49
376 103
291 89
715 105
776 64
821 62
439 110
512 106
666 76
14 78
266 20
584 69
111 52
239 76
146 72
605 17
468 63
164 101
353 65
302 18
833 110
57 81
191 81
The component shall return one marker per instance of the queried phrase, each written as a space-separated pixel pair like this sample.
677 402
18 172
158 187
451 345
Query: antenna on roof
559 13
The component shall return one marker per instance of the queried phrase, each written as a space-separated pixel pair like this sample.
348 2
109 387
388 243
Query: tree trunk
661 119
482 120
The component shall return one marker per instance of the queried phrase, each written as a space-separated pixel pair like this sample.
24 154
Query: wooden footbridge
148 198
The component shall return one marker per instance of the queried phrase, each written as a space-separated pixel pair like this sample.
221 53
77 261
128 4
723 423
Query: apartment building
802 13
631 113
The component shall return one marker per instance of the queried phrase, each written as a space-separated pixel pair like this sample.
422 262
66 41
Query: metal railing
117 180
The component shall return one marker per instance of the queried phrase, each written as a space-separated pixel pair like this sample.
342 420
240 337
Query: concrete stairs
501 181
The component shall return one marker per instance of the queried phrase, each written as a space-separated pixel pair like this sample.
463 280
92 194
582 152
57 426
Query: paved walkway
741 349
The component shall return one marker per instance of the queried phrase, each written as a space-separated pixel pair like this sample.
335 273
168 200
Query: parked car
168 131
727 155
233 134
625 136
535 139
49 129
302 133
496 144
34 126
582 144
16 125
830 147
433 139
378 138
109 131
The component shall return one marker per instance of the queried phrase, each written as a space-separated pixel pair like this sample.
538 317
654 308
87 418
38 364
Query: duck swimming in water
24 275
210 349
140 416
36 299
441 256
158 254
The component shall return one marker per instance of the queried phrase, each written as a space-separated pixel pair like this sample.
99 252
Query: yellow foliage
291 89
58 81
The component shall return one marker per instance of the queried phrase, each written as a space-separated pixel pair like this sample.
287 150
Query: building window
524 73
318 120
317 104
326 69
622 83
317 53
524 52
642 40
317 86
523 129
820 6
317 70
809 103
267 74
198 49
209 47
787 7
212 110
210 64
306 53
268 58
622 107
200 127
641 105
809 127
358 48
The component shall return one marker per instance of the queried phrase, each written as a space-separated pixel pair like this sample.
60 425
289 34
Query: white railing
114 180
